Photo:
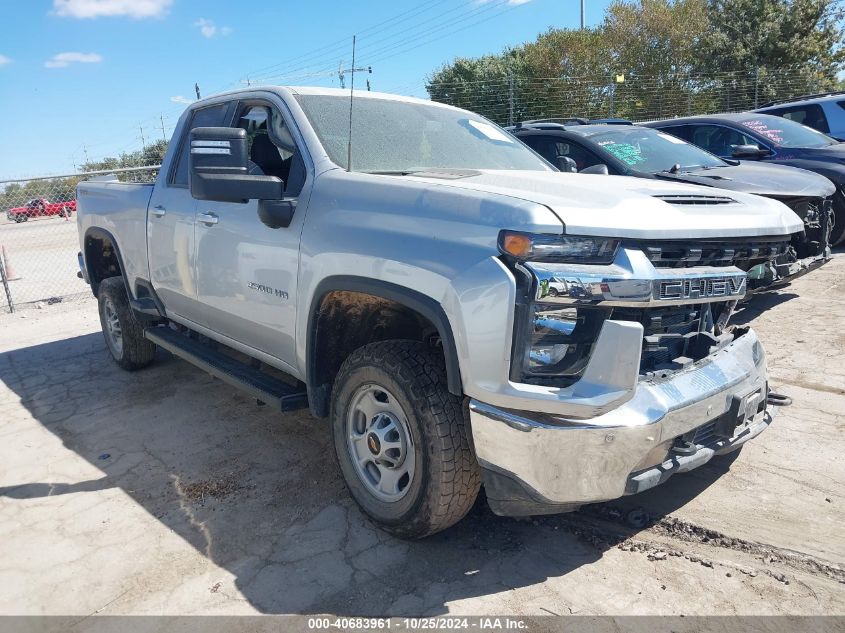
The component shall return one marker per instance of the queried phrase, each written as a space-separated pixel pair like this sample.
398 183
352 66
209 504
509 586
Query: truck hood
621 206
779 181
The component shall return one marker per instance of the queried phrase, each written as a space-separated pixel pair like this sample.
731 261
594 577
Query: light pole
582 14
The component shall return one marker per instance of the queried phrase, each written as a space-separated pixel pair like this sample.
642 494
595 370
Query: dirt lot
168 492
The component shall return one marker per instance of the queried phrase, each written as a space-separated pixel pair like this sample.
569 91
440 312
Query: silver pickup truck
463 313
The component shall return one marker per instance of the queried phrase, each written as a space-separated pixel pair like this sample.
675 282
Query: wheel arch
415 302
98 264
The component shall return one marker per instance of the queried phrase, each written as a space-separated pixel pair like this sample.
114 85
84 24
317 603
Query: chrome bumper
535 463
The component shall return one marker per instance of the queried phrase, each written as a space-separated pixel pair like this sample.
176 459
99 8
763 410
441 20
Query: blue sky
85 75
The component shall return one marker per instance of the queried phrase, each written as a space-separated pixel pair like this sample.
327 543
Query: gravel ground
167 492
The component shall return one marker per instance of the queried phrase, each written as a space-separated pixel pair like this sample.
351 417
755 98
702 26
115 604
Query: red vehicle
40 207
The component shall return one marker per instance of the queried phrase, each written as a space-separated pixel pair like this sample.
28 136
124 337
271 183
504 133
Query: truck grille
743 255
673 336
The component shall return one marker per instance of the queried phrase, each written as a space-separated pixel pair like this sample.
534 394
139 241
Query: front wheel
124 334
402 440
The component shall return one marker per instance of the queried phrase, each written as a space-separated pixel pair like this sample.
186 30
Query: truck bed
121 209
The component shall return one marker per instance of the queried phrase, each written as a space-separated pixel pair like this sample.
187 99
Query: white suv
825 112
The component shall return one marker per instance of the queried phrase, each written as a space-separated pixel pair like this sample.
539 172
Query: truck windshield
400 136
651 151
786 133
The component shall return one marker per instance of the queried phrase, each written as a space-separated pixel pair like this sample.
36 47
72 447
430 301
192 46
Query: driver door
246 271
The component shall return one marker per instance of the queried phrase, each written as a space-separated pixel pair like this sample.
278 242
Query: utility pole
197 89
582 14
85 151
143 140
163 134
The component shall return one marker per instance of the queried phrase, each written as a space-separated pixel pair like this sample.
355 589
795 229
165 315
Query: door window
551 147
810 115
212 116
272 150
719 140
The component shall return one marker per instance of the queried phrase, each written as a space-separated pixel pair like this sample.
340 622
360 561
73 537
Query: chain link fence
39 240
508 99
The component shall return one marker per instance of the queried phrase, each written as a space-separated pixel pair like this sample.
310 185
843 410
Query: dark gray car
632 150
753 136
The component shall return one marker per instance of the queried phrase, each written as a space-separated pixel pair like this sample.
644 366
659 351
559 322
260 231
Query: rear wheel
123 332
402 440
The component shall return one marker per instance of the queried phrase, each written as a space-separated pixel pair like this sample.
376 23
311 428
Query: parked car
763 137
41 207
632 150
396 281
822 112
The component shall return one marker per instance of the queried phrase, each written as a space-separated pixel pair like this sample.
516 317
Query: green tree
785 47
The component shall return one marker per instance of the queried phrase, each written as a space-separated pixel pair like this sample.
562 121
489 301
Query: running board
264 387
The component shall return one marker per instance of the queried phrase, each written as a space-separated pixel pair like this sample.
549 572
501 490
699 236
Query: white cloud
110 8
4 60
61 60
209 29
181 99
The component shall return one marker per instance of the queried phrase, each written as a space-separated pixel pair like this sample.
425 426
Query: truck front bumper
537 463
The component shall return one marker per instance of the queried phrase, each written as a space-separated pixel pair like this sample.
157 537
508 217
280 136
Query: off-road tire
137 352
447 478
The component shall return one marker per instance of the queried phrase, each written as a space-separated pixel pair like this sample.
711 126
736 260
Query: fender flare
412 299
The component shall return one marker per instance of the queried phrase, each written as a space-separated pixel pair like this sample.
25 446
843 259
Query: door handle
208 218
158 211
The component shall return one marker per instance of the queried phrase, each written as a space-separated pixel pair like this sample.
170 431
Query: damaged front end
807 250
698 386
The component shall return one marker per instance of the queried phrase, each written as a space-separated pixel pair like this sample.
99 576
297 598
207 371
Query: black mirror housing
749 151
220 168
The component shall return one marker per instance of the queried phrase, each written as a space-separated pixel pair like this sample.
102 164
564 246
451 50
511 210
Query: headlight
558 248
559 341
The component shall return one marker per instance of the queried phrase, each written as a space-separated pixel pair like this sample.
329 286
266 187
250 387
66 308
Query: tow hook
778 399
683 447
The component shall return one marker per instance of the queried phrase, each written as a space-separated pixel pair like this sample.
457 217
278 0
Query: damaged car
620 148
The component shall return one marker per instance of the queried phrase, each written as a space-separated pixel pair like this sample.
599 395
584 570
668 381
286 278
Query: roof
727 116
332 92
794 101
582 130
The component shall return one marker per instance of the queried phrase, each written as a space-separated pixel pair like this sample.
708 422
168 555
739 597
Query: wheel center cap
373 444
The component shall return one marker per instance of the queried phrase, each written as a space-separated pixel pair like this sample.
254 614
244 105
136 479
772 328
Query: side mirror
219 168
564 163
601 168
751 152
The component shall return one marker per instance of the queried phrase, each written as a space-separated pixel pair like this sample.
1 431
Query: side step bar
276 393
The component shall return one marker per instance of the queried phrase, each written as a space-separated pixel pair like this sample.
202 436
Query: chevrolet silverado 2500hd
397 280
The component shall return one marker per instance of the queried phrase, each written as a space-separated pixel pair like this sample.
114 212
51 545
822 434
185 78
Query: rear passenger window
810 115
212 116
